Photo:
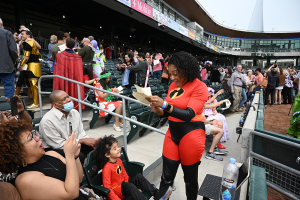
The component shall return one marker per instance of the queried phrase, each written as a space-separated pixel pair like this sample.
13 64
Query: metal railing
279 176
78 99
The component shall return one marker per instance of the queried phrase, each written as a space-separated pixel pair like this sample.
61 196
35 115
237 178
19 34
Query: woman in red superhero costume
185 139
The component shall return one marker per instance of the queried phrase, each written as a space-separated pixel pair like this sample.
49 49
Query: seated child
115 177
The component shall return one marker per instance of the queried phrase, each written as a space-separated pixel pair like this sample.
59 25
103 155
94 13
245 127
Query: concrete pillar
234 61
254 62
20 13
268 62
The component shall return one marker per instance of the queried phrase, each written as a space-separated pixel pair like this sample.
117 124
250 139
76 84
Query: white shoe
118 129
122 125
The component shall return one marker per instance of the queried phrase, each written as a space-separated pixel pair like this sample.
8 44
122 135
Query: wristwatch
168 107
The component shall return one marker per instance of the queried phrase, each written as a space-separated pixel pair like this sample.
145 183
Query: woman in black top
41 175
273 74
215 76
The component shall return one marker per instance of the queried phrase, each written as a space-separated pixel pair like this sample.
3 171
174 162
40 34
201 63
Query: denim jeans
8 83
253 92
244 98
157 74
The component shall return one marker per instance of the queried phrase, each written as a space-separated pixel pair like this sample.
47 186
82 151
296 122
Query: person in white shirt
55 125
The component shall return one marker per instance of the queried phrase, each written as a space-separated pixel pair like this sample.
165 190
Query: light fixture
149 41
139 48
69 32
130 36
123 44
64 16
130 11
100 27
30 24
174 49
161 26
182 36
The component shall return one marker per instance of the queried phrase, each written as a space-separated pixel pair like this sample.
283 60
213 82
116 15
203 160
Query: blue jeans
8 83
244 98
157 74
253 92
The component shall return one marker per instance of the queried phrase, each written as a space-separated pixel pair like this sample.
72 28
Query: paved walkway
148 148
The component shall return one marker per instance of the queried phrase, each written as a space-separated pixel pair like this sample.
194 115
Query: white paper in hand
227 105
120 88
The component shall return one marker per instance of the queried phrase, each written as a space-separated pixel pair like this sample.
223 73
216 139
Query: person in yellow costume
31 63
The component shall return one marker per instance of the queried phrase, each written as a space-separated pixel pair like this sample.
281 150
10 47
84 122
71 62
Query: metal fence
283 178
79 100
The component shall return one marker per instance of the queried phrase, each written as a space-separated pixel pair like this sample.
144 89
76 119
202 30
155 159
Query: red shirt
113 174
192 95
259 78
108 50
87 78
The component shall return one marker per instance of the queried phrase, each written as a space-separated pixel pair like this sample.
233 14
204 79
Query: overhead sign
192 35
198 39
183 31
142 7
263 54
163 19
173 25
155 14
126 2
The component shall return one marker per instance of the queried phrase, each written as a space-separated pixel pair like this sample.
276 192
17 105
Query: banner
183 31
125 80
163 19
155 15
216 49
198 39
142 7
192 35
173 25
126 2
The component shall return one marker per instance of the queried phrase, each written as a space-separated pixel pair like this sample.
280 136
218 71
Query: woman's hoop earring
24 161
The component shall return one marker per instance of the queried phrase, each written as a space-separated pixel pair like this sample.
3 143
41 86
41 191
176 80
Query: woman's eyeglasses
34 135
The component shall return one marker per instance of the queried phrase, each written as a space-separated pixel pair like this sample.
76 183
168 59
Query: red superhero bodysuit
185 140
113 174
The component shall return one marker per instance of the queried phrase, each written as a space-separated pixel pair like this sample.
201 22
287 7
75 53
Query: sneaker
163 194
118 129
221 146
218 151
122 125
213 156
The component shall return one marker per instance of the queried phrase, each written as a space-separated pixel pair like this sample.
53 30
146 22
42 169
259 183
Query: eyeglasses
34 135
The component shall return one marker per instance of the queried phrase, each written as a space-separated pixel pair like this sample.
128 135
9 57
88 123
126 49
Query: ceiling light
100 27
123 44
130 36
30 24
64 16
174 49
149 41
69 32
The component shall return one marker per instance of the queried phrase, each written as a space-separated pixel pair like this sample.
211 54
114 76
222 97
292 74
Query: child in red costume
115 177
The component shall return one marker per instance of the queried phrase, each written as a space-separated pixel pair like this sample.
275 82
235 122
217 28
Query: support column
268 62
296 61
254 62
20 13
234 61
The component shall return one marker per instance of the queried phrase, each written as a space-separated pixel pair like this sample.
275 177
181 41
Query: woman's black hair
129 56
88 71
103 83
186 64
229 70
103 147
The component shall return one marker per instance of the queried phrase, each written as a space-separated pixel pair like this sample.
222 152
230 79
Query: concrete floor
148 148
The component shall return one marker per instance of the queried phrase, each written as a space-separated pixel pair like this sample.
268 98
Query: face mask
68 106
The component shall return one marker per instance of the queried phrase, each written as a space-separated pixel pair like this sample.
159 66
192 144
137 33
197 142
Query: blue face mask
68 106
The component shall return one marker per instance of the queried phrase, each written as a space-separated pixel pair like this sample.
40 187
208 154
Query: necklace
50 164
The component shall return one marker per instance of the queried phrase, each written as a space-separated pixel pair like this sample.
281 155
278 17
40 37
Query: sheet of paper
146 90
141 97
120 88
227 106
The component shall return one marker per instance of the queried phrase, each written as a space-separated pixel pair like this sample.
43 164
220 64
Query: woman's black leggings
272 92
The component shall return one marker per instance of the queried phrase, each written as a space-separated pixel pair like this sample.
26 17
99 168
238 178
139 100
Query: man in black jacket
8 57
140 68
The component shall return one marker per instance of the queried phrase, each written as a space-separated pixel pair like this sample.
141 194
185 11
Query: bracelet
164 105
21 112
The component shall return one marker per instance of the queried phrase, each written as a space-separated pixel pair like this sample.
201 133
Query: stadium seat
137 112
94 173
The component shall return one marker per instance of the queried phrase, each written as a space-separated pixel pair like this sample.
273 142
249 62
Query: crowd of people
49 162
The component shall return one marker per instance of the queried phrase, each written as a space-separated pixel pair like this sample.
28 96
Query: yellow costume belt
35 68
